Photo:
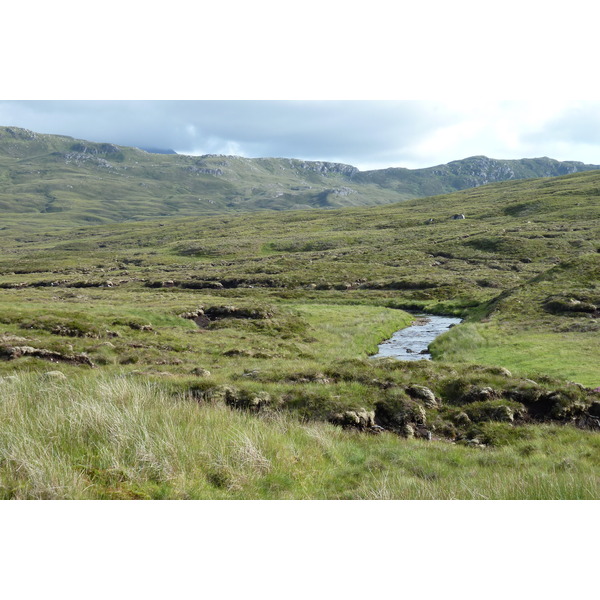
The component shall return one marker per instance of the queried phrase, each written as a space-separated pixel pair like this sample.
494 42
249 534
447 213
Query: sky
368 134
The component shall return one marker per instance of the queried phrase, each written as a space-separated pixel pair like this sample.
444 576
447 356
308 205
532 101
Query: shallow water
411 342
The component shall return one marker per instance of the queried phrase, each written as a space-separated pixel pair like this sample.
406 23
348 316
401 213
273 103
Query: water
411 342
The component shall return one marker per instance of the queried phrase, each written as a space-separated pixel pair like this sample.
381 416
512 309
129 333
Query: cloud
367 134
578 124
347 131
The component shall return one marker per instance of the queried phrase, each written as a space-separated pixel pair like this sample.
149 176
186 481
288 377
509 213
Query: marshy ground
228 357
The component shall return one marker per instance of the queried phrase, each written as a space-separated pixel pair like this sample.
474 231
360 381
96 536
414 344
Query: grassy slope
524 334
55 181
328 280
514 233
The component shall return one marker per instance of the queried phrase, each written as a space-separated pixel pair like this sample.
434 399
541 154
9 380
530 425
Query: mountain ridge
67 181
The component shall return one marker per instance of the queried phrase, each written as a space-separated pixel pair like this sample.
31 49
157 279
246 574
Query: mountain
65 181
468 173
153 150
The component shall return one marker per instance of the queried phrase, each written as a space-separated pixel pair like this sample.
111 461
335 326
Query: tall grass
125 439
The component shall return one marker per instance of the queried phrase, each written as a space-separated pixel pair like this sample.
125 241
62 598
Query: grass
313 293
526 352
118 438
522 331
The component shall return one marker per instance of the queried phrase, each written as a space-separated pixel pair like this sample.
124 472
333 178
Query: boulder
478 394
359 419
461 419
424 394
248 400
200 372
407 430
504 413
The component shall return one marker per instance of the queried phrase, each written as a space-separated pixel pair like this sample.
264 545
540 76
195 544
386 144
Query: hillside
59 181
412 255
228 356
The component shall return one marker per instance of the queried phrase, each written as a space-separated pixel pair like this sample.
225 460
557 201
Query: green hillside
49 180
227 356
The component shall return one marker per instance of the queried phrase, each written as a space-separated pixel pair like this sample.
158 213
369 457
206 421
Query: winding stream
411 343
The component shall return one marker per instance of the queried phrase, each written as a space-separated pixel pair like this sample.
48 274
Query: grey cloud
366 134
349 131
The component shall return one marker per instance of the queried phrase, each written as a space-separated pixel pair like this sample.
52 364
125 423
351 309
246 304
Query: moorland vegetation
227 356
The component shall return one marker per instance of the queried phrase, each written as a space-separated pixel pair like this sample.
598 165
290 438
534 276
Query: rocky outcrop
95 149
205 171
18 133
324 167
79 158
15 352
358 419
424 395
343 191
248 400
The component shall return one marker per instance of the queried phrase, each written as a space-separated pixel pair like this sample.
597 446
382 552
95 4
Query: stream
411 343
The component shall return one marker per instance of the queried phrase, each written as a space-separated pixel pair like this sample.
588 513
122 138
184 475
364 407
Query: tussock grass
127 439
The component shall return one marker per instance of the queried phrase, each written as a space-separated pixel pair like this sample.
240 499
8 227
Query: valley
53 181
212 340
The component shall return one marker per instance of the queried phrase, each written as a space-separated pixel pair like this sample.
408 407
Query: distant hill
468 173
61 181
158 150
